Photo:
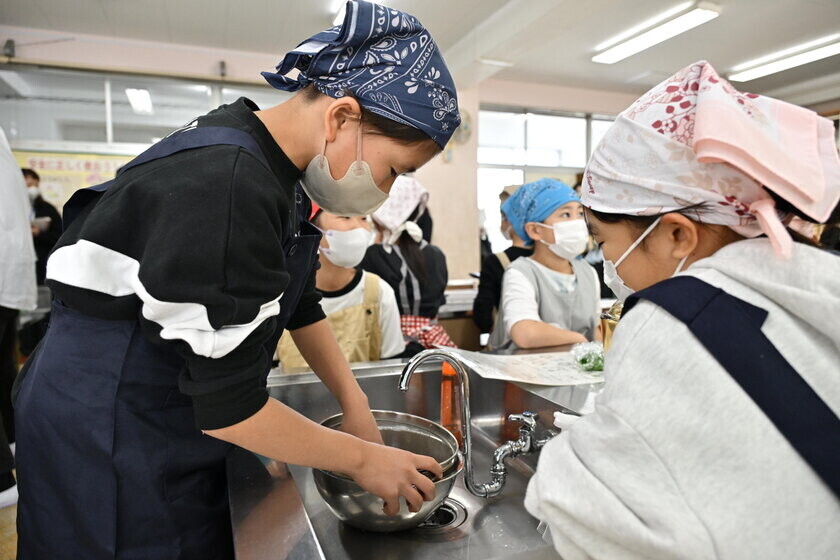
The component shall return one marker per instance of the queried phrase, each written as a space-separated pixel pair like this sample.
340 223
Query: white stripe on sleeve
94 267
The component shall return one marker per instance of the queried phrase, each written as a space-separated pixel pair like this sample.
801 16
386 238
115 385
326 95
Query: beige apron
356 329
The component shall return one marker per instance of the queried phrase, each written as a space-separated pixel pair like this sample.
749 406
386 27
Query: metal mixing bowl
363 510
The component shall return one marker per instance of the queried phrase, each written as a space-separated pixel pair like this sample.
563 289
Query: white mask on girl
355 194
570 238
611 278
347 248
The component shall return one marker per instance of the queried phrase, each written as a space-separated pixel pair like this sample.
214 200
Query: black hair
402 133
643 222
30 174
412 253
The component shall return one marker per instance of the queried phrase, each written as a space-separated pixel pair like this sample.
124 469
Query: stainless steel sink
466 527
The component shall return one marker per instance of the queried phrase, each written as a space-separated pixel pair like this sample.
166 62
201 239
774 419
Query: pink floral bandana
696 140
407 193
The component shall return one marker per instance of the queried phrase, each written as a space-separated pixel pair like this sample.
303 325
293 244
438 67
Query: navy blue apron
730 330
110 462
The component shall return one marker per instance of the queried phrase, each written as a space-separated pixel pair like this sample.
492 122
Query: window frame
533 169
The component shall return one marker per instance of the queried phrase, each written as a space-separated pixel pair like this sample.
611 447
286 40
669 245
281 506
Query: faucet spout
525 444
464 397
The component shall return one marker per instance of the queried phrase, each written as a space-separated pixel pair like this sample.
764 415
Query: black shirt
45 240
490 287
388 267
197 233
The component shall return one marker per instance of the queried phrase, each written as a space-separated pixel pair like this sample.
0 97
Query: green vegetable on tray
589 356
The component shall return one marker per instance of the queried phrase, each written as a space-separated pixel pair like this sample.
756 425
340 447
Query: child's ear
533 231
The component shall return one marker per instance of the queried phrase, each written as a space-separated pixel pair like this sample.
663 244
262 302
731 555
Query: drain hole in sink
449 515
443 517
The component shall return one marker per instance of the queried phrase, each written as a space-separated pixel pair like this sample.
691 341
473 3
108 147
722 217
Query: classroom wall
451 180
554 98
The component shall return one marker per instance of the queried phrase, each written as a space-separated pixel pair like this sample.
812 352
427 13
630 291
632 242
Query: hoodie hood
807 285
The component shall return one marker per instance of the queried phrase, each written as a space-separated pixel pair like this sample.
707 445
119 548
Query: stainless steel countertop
267 509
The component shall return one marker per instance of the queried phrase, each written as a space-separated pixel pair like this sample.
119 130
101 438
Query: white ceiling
554 48
265 26
745 30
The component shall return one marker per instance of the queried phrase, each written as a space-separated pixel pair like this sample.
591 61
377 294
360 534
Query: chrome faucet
526 443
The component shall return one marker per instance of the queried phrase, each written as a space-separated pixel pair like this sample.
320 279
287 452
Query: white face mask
611 278
570 238
347 248
506 233
33 192
355 194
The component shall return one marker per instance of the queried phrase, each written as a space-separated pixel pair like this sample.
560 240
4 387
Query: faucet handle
527 419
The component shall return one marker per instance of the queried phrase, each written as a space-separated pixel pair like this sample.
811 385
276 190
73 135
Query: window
70 106
528 139
40 104
174 103
501 138
599 128
518 147
556 141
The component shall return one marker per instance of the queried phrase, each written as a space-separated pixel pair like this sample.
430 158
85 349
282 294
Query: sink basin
466 527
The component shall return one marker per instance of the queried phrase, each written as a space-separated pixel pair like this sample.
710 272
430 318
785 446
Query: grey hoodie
677 461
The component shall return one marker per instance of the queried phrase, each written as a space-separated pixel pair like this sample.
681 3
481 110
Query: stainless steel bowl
361 509
412 433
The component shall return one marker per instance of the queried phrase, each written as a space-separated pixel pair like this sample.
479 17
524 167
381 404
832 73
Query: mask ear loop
359 142
636 243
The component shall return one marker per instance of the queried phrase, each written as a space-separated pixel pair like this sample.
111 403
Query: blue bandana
387 59
534 202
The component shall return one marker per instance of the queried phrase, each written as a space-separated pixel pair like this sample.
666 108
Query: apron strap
408 277
371 290
370 302
730 329
503 259
184 139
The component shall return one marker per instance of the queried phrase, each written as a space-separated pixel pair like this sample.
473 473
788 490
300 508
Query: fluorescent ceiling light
785 52
141 101
644 26
496 62
698 15
756 68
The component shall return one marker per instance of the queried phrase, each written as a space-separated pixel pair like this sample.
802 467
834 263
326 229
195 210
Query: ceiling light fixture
678 19
496 62
140 100
785 59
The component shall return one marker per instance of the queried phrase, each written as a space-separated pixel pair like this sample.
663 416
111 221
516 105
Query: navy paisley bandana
384 57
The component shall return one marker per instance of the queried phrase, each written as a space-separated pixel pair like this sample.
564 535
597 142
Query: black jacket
490 287
45 240
202 229
388 267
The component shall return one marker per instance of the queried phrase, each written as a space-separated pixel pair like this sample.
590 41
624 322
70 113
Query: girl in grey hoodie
677 460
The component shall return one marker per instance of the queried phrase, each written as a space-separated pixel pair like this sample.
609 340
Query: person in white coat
17 292
717 434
